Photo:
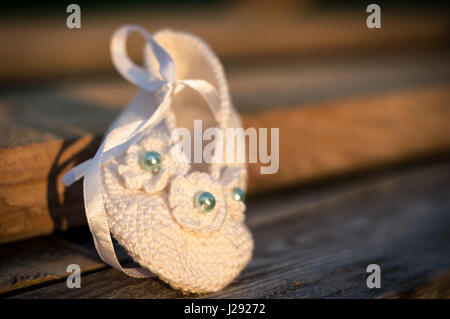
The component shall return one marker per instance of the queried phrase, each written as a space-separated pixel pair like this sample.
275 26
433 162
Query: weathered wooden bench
364 172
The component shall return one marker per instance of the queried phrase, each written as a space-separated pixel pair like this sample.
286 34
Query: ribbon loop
134 73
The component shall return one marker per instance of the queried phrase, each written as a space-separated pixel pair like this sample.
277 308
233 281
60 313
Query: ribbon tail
114 144
119 133
119 140
98 219
75 173
209 94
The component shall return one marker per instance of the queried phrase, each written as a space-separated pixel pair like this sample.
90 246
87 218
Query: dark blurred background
37 45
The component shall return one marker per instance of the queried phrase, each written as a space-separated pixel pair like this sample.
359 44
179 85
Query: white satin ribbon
120 138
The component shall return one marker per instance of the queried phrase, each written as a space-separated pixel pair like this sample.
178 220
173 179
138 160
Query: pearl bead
151 161
238 194
205 201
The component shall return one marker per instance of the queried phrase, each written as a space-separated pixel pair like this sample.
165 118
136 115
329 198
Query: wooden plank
331 138
436 287
337 137
318 242
76 108
234 34
34 201
44 260
257 86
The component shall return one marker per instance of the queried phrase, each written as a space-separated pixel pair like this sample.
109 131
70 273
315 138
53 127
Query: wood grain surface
309 242
44 260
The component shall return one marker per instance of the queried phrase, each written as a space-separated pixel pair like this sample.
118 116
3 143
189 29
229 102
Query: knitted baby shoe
178 217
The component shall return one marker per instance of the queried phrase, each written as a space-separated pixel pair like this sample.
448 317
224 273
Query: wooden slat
86 106
234 34
34 202
42 260
355 134
331 138
318 243
436 287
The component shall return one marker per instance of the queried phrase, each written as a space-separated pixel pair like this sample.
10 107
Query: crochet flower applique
150 163
201 203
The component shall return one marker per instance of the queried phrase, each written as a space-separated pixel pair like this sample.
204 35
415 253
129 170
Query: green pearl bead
205 201
238 194
151 161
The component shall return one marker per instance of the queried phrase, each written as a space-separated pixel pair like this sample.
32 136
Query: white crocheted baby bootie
178 217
